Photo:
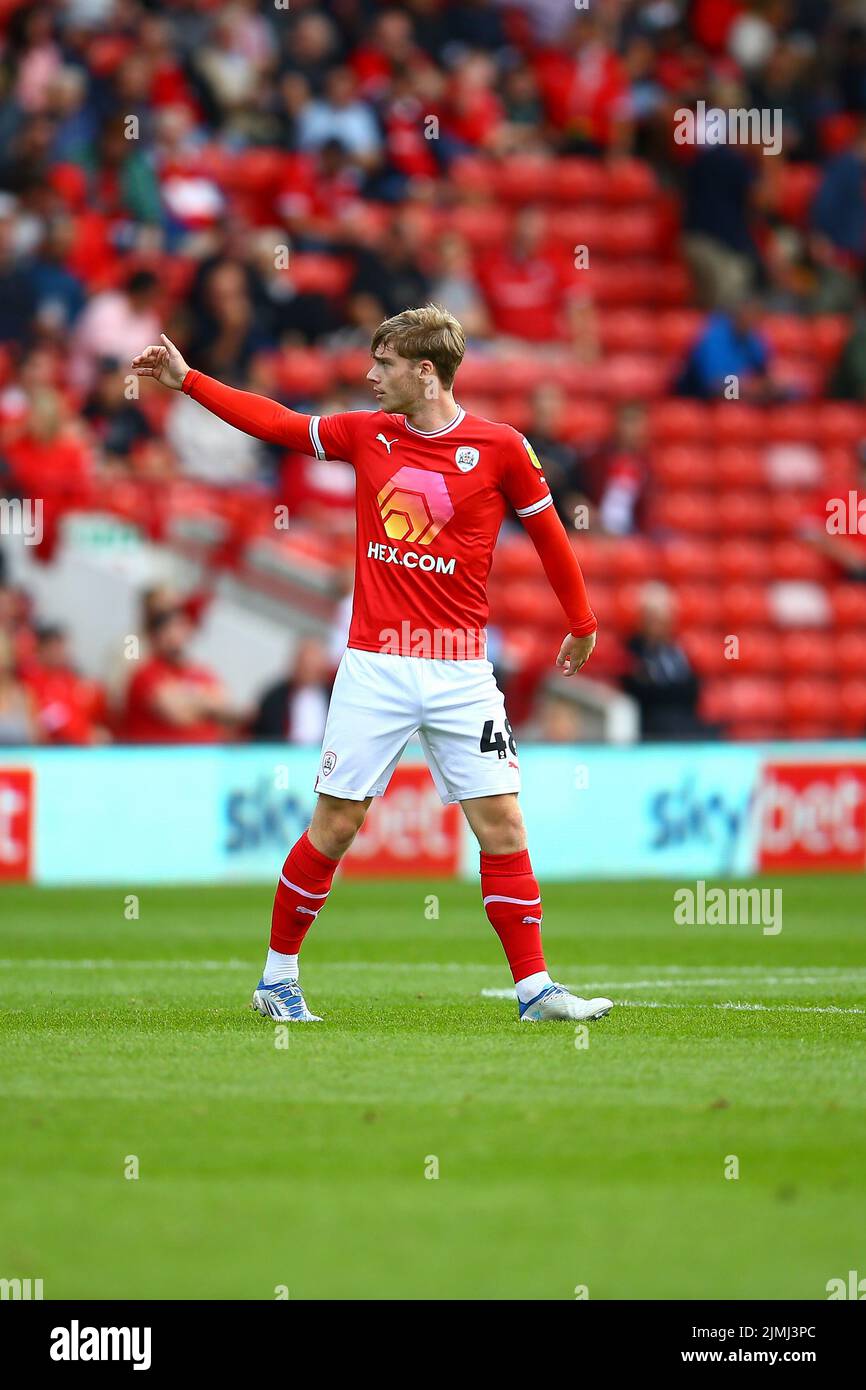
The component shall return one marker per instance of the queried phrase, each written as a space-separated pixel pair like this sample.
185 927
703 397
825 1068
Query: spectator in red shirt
67 705
50 461
171 699
585 87
18 722
524 285
836 527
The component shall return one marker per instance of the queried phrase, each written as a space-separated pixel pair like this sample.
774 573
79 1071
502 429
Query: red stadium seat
742 513
586 422
315 274
848 604
677 330
797 423
593 553
785 513
697 605
692 513
744 605
628 330
744 561
811 706
515 557
852 707
633 232
631 378
829 332
737 698
468 173
840 424
483 225
680 422
522 602
350 366
679 466
634 559
736 422
793 559
739 466
303 372
630 181
517 410
672 285
808 653
519 179
758 652
787 333
685 560
851 654
577 180
706 651
625 607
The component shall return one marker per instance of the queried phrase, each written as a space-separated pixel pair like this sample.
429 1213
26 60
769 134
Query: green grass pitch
304 1166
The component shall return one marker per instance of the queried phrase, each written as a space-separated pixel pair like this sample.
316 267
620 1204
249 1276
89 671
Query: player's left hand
574 653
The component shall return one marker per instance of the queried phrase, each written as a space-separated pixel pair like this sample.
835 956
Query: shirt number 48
497 743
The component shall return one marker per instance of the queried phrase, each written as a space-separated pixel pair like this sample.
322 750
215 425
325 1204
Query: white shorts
381 700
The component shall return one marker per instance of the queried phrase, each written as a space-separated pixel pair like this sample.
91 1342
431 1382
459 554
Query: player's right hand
163 362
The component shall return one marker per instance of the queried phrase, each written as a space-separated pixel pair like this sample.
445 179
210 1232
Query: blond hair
430 332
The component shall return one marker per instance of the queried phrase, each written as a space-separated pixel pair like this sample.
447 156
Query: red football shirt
429 508
145 724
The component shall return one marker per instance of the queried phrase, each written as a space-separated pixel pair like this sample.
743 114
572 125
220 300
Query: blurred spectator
832 526
227 333
617 473
69 708
730 360
559 458
557 720
848 380
50 462
839 226
295 708
661 678
18 294
171 699
455 287
391 276
584 84
524 283
115 323
60 295
717 216
118 424
18 721
339 115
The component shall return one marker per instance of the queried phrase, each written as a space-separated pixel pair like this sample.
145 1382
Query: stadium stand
266 183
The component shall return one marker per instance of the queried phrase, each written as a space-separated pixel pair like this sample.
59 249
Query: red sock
512 901
301 894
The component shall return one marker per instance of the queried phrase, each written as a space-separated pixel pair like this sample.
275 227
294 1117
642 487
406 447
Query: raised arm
256 415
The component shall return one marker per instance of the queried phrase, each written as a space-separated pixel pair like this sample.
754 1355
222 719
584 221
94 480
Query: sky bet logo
77 1343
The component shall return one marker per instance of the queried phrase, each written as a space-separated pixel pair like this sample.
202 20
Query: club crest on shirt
466 458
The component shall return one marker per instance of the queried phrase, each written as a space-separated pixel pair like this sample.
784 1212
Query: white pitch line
595 975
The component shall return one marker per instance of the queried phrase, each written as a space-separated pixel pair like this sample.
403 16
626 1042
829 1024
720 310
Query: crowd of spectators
170 166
